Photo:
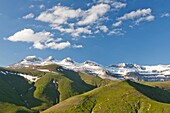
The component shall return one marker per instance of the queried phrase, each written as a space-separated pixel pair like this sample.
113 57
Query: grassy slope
11 89
162 85
44 92
11 108
94 81
119 97
67 84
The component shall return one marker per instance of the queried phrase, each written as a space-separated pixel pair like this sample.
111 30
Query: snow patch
29 77
43 70
3 72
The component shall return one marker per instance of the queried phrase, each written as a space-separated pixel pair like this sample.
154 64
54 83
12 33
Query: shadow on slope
154 93
78 83
59 84
16 90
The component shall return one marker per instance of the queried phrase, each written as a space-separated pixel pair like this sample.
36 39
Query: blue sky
105 31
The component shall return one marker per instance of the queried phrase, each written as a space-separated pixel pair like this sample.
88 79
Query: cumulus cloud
75 32
84 23
64 13
77 46
59 19
94 13
28 35
40 40
114 3
58 46
87 22
81 30
117 24
118 5
103 28
138 15
116 32
147 18
58 15
28 16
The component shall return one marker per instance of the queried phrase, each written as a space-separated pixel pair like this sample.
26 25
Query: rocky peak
91 63
68 60
49 59
126 65
31 59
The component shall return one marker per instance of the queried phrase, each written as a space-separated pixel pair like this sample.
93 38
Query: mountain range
120 71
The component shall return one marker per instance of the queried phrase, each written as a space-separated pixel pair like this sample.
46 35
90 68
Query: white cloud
81 30
58 46
138 15
62 29
103 28
118 5
82 20
93 14
40 40
75 32
77 46
114 3
28 16
58 39
116 32
117 24
147 18
28 35
165 15
58 15
39 45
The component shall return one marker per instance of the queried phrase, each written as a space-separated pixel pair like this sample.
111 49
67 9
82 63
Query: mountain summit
91 63
30 59
67 60
49 59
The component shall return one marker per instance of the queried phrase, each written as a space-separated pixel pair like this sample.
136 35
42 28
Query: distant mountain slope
119 97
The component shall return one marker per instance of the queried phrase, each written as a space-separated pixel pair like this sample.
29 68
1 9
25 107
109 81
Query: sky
104 31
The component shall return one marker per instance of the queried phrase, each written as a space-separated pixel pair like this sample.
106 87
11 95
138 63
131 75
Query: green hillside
162 85
118 97
14 94
52 87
